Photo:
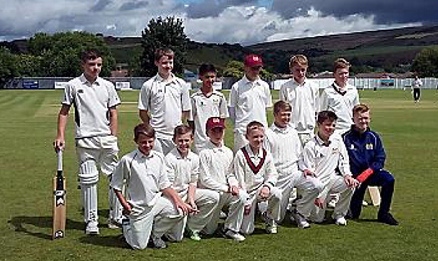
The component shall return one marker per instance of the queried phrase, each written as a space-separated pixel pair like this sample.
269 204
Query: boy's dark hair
326 115
163 52
360 108
282 106
145 129
206 68
90 55
181 130
254 125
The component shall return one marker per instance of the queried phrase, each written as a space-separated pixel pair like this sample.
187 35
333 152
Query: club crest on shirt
369 146
335 150
352 147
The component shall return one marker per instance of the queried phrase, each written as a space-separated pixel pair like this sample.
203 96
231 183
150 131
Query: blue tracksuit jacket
365 150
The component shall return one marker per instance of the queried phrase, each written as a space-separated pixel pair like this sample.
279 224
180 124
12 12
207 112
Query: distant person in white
416 89
164 101
249 98
303 96
340 97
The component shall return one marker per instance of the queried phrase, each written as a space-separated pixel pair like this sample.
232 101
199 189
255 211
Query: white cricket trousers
335 185
207 201
239 141
158 220
234 218
273 208
308 189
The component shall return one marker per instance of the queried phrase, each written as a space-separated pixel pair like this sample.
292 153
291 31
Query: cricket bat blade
59 201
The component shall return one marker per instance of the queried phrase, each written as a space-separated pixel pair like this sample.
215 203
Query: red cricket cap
215 122
253 60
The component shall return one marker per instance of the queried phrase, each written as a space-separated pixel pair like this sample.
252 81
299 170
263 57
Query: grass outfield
28 163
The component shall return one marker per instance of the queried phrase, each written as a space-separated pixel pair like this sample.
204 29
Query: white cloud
244 24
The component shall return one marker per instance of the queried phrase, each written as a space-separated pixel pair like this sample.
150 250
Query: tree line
57 55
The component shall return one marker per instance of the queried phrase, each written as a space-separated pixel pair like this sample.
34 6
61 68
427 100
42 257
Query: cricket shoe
195 236
341 221
113 224
300 219
234 235
270 225
92 228
157 242
388 219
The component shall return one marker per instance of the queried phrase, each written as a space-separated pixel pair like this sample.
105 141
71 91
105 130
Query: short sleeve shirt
204 107
92 102
165 100
249 100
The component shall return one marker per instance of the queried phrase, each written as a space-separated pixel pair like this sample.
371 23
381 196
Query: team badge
369 146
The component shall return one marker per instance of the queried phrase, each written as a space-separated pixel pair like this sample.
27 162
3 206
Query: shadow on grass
108 241
20 223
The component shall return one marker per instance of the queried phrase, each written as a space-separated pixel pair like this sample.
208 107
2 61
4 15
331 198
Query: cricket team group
181 179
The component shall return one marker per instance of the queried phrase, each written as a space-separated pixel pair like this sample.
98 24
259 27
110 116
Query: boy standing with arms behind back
206 103
303 96
249 99
164 101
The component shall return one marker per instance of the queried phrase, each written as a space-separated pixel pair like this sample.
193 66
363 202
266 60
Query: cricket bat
59 201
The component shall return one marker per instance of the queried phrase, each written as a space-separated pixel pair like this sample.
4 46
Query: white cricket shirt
204 107
92 102
145 177
323 160
341 103
182 171
249 100
215 164
304 99
165 101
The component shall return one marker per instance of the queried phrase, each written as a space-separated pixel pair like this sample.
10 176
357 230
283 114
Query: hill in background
383 50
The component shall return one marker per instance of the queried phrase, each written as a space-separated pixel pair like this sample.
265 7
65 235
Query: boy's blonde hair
282 106
360 108
254 125
340 63
300 60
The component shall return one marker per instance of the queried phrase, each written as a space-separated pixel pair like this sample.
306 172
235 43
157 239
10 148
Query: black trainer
388 219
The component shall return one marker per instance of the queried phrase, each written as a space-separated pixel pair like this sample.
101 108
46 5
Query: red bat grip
364 175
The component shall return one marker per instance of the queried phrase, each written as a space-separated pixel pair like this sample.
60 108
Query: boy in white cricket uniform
322 155
150 214
206 103
164 101
255 171
340 97
249 99
285 146
95 101
183 172
215 163
303 96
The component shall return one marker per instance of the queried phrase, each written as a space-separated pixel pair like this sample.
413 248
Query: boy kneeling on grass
150 214
255 171
215 163
183 172
322 156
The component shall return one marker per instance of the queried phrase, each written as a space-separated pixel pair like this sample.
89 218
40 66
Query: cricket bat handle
59 155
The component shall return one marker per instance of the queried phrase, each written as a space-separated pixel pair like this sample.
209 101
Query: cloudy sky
216 21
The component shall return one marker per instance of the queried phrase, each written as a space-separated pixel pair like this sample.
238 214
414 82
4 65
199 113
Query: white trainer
300 220
341 221
234 235
92 228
